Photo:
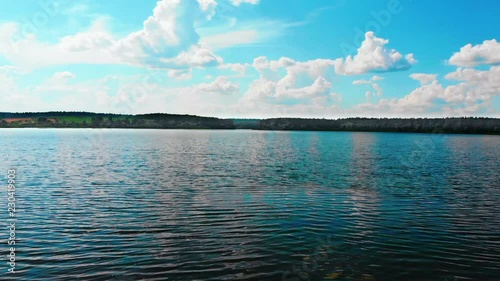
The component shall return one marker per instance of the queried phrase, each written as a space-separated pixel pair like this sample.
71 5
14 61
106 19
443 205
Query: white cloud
302 80
231 39
208 5
56 93
59 82
28 53
240 68
96 37
8 84
9 69
240 34
196 56
182 74
262 63
477 84
169 35
86 41
423 78
481 77
66 75
471 96
373 56
319 87
264 89
221 85
168 39
220 97
377 89
239 2
294 70
422 97
486 53
361 82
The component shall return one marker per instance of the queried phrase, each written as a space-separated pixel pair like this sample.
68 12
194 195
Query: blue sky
251 58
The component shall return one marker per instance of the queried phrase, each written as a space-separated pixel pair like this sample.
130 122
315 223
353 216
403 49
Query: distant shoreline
89 120
259 130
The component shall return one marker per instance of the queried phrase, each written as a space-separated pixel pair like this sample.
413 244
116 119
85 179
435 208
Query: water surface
251 205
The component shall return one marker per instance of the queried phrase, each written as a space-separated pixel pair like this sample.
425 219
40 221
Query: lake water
251 205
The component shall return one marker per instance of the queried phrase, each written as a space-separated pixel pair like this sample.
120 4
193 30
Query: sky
252 58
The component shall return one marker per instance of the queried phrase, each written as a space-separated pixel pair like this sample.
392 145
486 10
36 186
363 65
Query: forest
107 120
463 125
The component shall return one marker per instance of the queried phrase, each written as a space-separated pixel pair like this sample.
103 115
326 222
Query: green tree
42 120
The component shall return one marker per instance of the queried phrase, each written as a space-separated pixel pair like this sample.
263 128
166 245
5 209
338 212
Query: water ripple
225 205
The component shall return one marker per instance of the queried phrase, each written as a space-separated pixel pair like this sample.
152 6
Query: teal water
249 205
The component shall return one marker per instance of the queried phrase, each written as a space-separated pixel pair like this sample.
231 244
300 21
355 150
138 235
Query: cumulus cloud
478 84
95 38
64 75
208 5
264 89
377 90
239 68
182 74
423 78
490 77
196 56
239 2
262 63
373 56
8 84
86 41
361 82
9 69
295 70
301 80
486 53
472 95
168 39
300 71
221 85
59 82
28 53
319 87
422 97
220 98
169 33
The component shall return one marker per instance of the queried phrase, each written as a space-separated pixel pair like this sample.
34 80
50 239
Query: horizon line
259 118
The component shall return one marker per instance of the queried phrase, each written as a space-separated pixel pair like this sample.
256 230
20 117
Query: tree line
466 125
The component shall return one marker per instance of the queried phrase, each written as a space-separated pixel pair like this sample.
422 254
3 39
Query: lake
251 205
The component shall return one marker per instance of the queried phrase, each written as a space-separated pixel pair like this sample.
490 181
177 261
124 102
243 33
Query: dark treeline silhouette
59 119
4 115
247 123
109 120
465 125
168 121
